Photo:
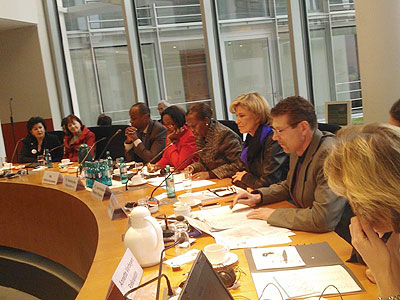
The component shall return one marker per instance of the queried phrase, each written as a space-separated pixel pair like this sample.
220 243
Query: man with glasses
145 137
318 209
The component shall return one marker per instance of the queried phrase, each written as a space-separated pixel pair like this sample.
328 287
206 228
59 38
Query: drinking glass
187 181
41 161
181 230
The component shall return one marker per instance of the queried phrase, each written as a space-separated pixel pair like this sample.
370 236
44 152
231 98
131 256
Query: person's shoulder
224 131
157 126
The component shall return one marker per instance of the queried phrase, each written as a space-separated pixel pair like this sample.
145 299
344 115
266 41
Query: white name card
114 209
51 177
72 183
100 191
126 277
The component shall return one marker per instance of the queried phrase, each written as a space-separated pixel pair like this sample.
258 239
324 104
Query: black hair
176 113
143 108
34 120
202 110
104 120
395 110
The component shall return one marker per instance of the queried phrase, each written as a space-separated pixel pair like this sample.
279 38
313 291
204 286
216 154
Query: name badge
100 191
72 183
114 209
51 177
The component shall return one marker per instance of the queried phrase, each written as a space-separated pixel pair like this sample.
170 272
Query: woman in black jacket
37 141
266 162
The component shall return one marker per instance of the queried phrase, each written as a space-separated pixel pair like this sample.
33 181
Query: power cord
331 285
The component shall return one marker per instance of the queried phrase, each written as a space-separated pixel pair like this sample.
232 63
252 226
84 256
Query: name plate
72 183
100 191
51 177
126 277
114 209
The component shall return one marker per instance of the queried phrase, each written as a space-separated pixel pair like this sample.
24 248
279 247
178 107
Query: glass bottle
47 157
169 183
123 171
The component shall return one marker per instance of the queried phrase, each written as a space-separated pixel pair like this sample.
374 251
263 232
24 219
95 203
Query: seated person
162 105
37 141
77 134
318 209
394 118
145 138
266 163
221 146
364 167
104 120
179 136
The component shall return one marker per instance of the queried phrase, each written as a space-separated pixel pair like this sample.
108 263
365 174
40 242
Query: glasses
279 131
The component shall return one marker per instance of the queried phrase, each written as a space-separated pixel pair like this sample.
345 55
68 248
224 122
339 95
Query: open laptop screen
203 282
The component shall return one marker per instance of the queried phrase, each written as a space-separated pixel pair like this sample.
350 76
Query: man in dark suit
317 209
145 138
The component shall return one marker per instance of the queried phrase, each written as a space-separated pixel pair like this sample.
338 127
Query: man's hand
131 134
246 198
189 169
238 176
201 176
262 213
153 167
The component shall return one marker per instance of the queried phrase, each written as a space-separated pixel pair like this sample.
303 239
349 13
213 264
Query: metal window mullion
164 92
330 55
213 54
276 98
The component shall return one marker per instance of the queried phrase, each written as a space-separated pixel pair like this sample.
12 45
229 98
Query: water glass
181 230
187 181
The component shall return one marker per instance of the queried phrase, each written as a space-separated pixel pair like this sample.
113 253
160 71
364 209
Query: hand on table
246 198
262 213
201 175
153 167
189 169
131 134
238 176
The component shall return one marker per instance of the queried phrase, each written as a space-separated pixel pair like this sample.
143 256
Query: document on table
276 257
305 282
179 185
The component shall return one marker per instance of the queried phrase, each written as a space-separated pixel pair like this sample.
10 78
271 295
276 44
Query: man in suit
145 138
317 209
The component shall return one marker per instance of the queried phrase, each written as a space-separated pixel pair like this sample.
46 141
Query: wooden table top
75 230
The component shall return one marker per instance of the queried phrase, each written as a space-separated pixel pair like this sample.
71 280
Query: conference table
74 229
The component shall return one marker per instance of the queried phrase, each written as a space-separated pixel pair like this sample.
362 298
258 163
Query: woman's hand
238 176
189 169
201 176
151 168
377 255
173 136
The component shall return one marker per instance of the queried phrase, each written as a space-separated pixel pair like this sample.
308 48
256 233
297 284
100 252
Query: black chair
60 135
333 128
116 147
232 125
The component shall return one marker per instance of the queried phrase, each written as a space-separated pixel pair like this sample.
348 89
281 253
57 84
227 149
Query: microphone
159 153
55 148
180 240
15 149
170 292
90 149
172 172
109 141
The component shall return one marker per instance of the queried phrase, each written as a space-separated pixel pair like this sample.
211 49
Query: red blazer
177 153
71 151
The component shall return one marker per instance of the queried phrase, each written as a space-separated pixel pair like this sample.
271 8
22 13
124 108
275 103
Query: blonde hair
364 167
255 103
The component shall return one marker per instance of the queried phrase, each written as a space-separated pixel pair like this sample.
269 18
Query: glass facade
254 53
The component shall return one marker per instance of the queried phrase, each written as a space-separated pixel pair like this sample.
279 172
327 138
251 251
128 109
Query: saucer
130 183
195 203
230 260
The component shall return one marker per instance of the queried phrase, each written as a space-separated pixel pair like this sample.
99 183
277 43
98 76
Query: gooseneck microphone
172 172
109 141
15 149
170 292
159 153
55 148
87 154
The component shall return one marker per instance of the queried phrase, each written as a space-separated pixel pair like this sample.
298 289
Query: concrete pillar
378 35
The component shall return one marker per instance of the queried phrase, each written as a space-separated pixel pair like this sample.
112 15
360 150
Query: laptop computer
203 282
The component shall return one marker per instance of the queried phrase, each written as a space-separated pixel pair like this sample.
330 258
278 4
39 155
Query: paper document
179 186
276 257
183 259
306 282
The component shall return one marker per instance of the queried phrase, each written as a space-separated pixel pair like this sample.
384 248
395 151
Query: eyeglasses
279 131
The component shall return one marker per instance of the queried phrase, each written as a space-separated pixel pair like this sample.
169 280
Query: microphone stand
15 149
170 292
172 172
12 121
109 141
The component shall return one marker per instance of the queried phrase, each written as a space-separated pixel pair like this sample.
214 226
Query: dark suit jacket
29 148
152 143
318 208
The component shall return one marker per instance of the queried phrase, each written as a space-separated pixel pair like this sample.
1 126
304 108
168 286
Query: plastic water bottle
89 174
109 160
47 157
170 184
123 171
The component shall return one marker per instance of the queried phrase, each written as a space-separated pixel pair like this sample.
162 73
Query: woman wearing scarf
266 162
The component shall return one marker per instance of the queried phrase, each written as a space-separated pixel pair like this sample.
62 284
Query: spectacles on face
279 131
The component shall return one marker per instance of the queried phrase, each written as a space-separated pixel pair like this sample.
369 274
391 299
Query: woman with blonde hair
266 162
364 167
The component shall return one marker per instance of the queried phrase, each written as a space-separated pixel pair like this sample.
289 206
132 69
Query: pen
284 255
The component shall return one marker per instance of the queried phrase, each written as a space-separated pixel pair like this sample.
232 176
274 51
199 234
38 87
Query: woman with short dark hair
78 134
37 141
179 136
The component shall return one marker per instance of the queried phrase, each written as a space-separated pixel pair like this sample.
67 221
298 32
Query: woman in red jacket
180 141
78 134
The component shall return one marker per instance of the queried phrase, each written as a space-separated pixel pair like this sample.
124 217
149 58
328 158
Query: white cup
137 179
7 165
182 210
65 161
186 199
216 253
